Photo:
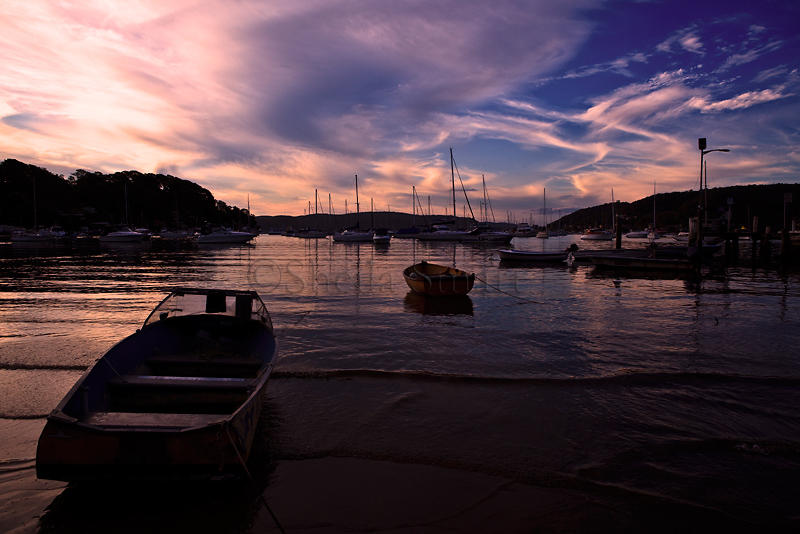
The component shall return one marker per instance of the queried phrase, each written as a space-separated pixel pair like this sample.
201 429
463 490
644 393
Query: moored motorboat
637 235
179 398
353 236
225 236
438 280
381 237
531 256
597 234
123 235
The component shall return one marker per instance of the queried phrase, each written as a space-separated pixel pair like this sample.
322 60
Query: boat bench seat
250 363
189 382
129 420
212 367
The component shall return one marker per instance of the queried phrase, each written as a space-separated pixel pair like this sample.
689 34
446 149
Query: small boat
180 398
597 234
225 236
531 256
37 238
637 235
123 235
484 234
442 232
381 237
525 230
353 236
438 280
310 233
621 261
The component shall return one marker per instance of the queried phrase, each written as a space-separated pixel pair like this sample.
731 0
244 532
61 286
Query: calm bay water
563 402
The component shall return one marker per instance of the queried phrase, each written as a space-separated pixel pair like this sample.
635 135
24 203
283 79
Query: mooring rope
523 299
252 480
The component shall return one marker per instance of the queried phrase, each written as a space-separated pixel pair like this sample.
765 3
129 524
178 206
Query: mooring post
786 242
766 248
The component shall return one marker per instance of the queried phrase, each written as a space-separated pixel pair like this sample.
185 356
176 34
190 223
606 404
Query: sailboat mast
371 213
544 207
316 202
358 212
654 207
613 218
485 215
125 196
413 205
35 216
453 179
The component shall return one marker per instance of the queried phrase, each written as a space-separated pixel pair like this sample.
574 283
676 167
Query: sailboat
652 236
124 234
354 235
543 234
442 232
600 234
37 237
483 233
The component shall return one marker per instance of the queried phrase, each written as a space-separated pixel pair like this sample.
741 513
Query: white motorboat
124 235
353 236
36 238
441 232
531 256
637 235
224 236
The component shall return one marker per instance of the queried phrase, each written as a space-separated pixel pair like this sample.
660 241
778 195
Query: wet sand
340 495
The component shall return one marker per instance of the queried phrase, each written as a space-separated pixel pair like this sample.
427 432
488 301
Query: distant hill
90 198
674 209
672 212
381 219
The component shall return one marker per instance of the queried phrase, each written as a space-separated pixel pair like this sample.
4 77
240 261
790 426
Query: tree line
33 196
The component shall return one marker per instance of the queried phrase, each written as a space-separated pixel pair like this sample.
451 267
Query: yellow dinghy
438 280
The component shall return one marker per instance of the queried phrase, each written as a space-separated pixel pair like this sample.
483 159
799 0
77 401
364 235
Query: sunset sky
274 99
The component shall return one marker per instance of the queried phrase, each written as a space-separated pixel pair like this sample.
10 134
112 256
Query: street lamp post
701 144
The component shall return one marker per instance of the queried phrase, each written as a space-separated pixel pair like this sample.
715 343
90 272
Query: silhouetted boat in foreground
438 280
180 398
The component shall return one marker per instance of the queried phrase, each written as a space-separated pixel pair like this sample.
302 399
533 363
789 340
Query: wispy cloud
766 74
748 56
741 101
686 39
618 66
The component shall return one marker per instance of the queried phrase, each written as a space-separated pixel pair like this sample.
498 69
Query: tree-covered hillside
31 195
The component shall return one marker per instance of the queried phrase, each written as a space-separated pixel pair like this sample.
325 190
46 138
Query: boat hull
180 398
71 452
353 237
648 264
437 280
531 256
221 239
